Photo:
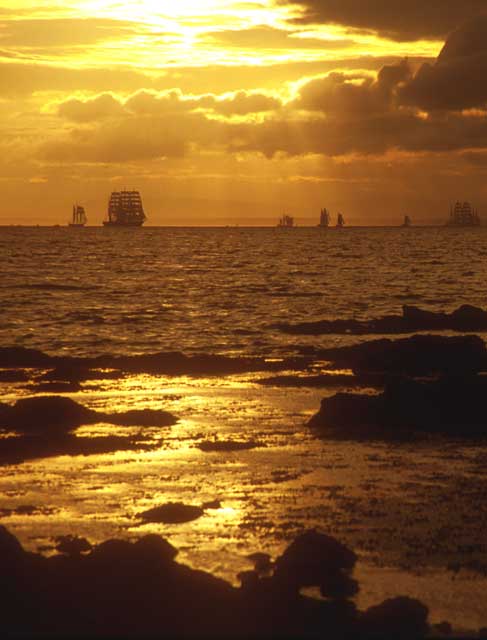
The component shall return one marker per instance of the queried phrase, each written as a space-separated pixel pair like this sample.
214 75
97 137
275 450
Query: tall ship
286 221
125 210
324 218
407 221
79 218
340 221
462 214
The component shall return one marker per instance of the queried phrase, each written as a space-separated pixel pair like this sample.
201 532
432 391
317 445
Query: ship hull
76 224
111 223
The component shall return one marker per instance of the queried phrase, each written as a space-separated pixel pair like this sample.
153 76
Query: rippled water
98 290
410 510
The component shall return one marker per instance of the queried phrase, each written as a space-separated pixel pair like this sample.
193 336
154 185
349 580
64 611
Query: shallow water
415 512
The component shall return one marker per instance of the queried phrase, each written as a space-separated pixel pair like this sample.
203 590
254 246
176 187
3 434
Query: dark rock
22 357
227 445
10 547
212 504
396 617
67 368
326 380
450 405
172 513
152 547
142 418
19 449
262 562
465 318
49 414
137 588
443 628
354 413
311 559
55 387
249 580
70 373
22 510
13 375
72 545
418 355
338 585
55 415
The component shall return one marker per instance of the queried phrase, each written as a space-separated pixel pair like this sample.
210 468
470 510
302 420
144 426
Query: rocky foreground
119 587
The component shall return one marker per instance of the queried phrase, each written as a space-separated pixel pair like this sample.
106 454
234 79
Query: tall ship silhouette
324 218
340 221
462 214
125 210
286 221
79 218
407 221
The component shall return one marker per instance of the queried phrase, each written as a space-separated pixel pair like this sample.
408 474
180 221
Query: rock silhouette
76 369
465 318
172 513
119 587
417 355
46 425
453 405
228 445
52 415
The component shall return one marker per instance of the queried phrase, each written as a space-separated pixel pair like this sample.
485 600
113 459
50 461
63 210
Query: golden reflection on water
367 494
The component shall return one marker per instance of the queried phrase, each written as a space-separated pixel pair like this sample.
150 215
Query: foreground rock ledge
137 588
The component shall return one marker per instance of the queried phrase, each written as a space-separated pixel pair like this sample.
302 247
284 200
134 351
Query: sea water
414 512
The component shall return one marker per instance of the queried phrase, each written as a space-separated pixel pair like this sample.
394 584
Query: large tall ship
324 218
462 214
340 221
79 216
286 221
125 210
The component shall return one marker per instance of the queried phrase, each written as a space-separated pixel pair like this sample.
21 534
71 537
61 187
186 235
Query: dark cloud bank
411 20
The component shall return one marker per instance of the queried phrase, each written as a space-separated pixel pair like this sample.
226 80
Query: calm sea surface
415 512
95 290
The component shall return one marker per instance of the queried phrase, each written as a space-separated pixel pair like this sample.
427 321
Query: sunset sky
225 112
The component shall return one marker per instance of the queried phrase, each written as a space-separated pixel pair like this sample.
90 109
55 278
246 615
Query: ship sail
78 218
463 215
286 221
125 209
340 220
407 221
324 218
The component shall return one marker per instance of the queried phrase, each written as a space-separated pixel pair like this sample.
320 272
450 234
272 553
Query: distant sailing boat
407 221
286 221
324 218
79 216
340 220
